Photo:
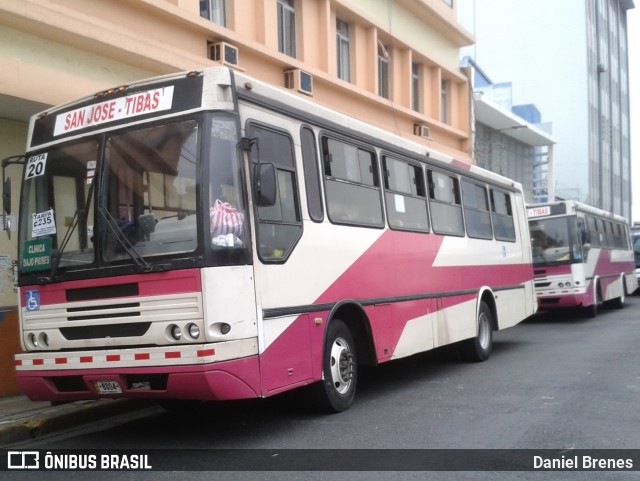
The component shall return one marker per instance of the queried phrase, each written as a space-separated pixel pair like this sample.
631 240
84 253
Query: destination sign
140 103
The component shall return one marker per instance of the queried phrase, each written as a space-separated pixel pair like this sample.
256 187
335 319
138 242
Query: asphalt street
558 382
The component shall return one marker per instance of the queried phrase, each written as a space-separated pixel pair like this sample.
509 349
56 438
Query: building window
343 50
448 2
383 71
214 10
415 87
444 100
287 27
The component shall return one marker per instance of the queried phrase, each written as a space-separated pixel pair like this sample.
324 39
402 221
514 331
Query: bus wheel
478 349
336 391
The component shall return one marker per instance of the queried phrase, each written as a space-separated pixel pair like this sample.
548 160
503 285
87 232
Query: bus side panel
287 361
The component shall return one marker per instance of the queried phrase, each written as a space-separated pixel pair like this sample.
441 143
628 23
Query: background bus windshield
554 241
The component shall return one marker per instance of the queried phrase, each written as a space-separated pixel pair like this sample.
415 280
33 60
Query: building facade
572 57
508 139
392 63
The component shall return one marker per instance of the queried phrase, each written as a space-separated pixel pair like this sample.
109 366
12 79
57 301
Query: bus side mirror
266 190
6 196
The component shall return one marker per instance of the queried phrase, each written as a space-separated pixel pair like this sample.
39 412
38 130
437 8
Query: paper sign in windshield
35 166
43 223
116 109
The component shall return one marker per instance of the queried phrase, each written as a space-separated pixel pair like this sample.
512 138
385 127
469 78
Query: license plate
107 387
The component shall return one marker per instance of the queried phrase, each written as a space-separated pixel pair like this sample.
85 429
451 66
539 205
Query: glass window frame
281 170
497 217
332 182
438 206
312 182
416 81
470 211
287 28
216 11
384 71
343 50
414 195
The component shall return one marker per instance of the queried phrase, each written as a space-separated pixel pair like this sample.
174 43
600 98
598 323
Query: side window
279 225
502 216
446 208
593 231
624 237
476 210
405 195
609 229
311 174
351 184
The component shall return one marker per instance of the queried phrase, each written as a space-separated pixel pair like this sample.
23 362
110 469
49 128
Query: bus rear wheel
336 391
478 349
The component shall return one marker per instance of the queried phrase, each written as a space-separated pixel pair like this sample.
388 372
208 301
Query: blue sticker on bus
32 299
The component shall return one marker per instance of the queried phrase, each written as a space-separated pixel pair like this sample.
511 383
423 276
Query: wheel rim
484 331
341 365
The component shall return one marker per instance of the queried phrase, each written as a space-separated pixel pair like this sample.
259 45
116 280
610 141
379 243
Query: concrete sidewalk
22 420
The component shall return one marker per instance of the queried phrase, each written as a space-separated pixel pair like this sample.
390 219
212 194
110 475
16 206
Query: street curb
41 422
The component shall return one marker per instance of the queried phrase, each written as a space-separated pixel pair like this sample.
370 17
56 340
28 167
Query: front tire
478 349
336 391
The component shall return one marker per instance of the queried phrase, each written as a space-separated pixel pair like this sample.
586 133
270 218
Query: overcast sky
466 18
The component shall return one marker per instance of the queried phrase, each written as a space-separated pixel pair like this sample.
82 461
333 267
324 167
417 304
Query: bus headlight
175 332
33 341
193 330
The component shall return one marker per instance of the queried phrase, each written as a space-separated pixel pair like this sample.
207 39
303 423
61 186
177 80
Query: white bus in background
635 241
582 256
205 236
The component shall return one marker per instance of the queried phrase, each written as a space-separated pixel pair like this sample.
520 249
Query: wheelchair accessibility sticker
32 299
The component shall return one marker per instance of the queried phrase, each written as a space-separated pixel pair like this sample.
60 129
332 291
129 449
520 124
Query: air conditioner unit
299 80
224 52
421 130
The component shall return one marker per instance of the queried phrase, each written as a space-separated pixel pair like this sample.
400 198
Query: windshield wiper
112 223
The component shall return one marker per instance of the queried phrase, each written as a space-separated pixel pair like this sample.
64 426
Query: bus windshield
636 248
138 199
554 241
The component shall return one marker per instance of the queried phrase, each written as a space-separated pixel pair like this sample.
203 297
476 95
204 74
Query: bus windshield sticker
35 166
43 223
36 255
116 109
32 300
91 171
399 201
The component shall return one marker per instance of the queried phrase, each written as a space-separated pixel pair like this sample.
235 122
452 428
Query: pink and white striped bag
225 219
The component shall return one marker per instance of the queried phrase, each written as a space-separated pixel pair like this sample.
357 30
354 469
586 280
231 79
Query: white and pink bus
582 256
205 236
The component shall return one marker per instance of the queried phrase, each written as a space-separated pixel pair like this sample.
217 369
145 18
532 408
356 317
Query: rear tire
336 391
478 349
